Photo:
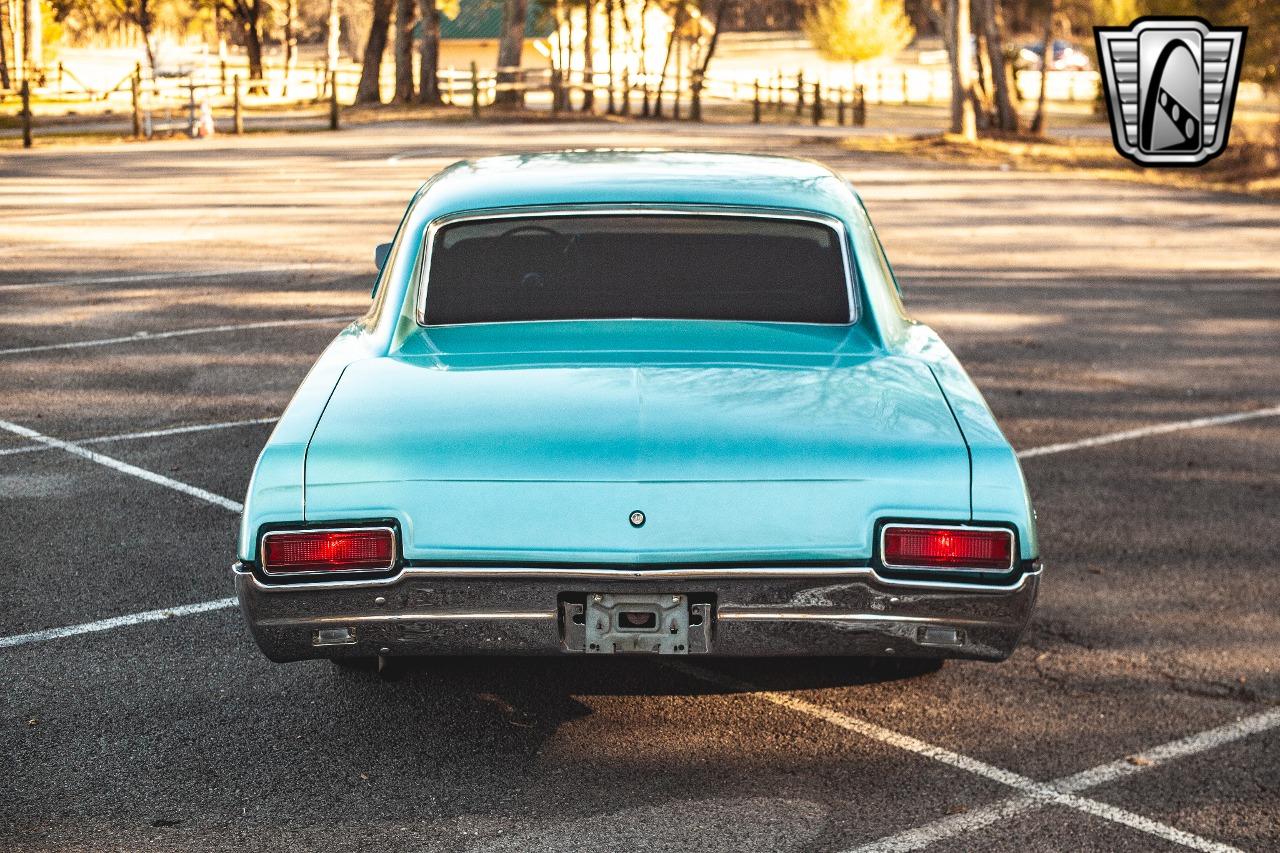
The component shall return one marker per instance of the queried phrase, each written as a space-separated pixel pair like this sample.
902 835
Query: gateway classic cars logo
1170 85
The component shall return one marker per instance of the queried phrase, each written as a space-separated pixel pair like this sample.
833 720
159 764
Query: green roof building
482 19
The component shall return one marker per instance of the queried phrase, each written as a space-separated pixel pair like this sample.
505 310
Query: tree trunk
561 62
568 74
963 121
253 48
145 25
247 14
511 52
1040 122
677 23
406 12
34 40
369 90
350 32
644 61
4 58
290 43
220 31
334 31
429 53
610 10
1001 74
588 59
681 48
628 52
700 73
16 27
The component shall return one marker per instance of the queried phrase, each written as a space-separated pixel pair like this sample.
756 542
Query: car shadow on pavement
658 676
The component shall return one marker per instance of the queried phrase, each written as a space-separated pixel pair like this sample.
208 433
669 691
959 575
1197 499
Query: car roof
637 177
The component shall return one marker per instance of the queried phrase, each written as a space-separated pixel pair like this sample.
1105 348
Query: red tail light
922 546
347 550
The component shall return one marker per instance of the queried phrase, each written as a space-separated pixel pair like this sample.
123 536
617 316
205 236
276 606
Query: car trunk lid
786 444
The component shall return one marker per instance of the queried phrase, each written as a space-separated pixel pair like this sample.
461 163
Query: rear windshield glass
695 267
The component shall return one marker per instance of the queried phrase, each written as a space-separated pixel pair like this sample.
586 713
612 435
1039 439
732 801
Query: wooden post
556 91
135 89
755 104
191 106
817 103
859 106
799 93
237 119
475 92
906 88
26 113
841 94
222 77
626 91
333 100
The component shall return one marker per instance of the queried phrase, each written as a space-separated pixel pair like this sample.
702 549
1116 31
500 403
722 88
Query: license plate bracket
633 623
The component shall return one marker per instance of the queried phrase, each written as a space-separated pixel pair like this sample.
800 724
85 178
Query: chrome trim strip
487 573
638 209
843 616
433 616
1013 540
262 550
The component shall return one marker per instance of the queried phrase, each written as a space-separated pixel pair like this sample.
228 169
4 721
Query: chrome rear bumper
753 612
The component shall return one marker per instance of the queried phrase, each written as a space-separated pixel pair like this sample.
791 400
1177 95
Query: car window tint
698 267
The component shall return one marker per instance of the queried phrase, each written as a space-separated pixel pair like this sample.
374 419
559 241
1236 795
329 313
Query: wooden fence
188 105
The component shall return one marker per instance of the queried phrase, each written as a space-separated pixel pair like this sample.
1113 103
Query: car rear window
605 266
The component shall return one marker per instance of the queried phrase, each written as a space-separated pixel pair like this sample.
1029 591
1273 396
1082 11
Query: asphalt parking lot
159 304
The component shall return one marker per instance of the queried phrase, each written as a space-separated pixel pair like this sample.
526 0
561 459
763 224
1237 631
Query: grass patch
1251 162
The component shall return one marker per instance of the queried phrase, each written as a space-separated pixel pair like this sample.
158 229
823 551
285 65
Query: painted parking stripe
975 819
151 433
151 476
156 276
1061 792
123 467
1143 432
178 333
1037 793
1190 745
117 622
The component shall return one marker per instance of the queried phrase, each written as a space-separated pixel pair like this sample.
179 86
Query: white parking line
151 433
117 622
1037 793
235 506
949 827
124 467
157 276
154 336
1062 792
1155 429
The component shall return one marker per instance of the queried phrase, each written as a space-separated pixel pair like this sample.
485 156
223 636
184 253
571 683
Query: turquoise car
636 402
